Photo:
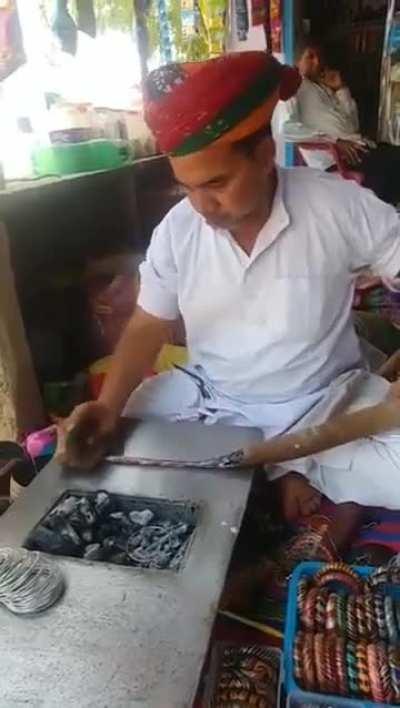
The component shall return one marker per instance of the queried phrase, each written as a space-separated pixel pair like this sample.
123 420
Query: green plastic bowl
71 158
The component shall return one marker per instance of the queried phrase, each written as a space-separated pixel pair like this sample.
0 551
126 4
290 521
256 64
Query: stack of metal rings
349 641
29 582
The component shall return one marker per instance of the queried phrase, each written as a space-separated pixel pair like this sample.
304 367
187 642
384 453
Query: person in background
324 105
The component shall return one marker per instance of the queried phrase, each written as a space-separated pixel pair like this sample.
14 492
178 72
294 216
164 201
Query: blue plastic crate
295 695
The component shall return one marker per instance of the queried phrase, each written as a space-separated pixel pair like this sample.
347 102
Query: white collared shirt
276 325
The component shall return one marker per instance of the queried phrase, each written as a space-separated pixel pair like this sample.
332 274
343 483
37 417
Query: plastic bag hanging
64 27
86 17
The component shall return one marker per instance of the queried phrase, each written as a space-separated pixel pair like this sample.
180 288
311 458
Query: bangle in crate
349 641
244 676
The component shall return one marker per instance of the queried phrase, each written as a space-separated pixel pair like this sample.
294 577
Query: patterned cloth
189 106
381 297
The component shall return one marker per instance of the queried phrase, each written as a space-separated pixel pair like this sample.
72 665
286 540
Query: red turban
190 106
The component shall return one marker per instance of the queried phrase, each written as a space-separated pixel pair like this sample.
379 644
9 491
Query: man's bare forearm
135 354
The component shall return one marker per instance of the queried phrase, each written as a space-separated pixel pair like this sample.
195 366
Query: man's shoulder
182 218
308 87
305 181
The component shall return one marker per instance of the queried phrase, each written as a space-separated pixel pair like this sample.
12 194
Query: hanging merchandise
141 8
242 19
86 17
389 108
259 12
188 19
194 44
165 33
64 27
275 21
11 48
213 14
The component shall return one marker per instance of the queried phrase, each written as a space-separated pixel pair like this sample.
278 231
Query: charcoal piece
54 521
109 544
102 503
50 542
87 536
104 531
66 531
123 523
133 542
120 558
85 510
93 552
66 507
141 518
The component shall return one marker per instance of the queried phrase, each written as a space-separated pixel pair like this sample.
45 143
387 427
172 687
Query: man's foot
298 498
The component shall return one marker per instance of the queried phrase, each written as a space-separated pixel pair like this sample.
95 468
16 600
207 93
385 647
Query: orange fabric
260 117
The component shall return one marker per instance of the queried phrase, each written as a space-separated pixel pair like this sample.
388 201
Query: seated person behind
325 105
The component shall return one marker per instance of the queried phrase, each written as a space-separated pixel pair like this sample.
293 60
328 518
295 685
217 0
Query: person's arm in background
349 107
375 243
85 435
332 79
349 143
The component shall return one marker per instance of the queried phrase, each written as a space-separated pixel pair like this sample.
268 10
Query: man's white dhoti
366 471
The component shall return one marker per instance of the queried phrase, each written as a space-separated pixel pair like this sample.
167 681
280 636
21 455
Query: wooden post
21 407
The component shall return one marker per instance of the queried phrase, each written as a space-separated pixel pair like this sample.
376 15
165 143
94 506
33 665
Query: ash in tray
133 531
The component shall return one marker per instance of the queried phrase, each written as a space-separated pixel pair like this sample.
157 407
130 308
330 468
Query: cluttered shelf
22 185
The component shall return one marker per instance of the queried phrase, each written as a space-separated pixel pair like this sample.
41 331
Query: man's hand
351 152
391 371
332 79
84 437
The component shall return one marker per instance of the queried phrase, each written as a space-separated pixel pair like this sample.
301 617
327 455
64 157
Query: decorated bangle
390 619
351 668
302 590
308 663
341 608
374 674
372 629
338 573
331 615
337 578
320 610
341 669
379 577
319 656
308 615
360 617
397 614
330 677
394 571
394 665
379 611
351 618
384 672
297 657
362 669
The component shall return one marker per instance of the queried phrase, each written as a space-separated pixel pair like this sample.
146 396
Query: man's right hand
83 437
350 152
